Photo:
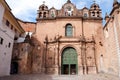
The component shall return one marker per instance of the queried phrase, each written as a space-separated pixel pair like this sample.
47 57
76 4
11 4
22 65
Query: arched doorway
69 61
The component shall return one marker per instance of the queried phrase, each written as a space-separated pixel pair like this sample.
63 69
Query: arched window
69 8
42 7
98 14
40 14
85 14
44 14
52 13
69 30
93 14
95 7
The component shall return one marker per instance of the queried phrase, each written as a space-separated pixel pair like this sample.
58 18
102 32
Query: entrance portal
14 68
69 61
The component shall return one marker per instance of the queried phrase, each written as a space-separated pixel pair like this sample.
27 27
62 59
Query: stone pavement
60 77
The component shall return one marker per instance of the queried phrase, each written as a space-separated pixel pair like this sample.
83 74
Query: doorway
14 68
69 61
73 69
66 69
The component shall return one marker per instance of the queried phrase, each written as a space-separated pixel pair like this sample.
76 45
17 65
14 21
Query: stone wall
28 26
111 34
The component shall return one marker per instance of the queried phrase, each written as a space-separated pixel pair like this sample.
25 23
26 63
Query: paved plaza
60 77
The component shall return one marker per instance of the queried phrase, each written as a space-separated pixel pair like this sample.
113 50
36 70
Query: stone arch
40 14
44 14
69 45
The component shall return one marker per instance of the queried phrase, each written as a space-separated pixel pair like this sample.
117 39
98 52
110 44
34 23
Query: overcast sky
27 9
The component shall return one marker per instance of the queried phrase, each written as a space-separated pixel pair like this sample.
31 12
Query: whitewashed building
9 31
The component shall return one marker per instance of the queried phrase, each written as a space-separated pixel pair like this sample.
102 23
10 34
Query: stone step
60 77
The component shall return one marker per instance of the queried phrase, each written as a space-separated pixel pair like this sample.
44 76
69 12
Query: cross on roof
69 1
43 2
94 1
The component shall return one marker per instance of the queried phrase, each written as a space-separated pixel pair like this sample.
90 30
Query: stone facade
21 58
112 40
27 57
86 26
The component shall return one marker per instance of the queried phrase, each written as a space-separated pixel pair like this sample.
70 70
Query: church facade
72 38
66 41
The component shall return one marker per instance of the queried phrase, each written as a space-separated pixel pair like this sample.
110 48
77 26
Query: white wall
5 52
5 55
1 13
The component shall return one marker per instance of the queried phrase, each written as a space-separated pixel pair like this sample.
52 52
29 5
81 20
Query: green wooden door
69 61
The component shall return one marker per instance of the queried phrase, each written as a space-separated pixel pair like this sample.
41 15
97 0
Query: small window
44 14
7 23
9 45
53 13
11 27
15 38
106 33
46 7
95 7
69 30
85 14
40 14
1 40
93 13
69 8
42 7
98 14
106 29
22 49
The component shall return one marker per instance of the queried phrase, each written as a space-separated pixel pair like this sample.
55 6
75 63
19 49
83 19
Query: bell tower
95 10
115 4
42 12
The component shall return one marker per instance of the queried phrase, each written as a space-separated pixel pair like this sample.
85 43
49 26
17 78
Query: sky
26 10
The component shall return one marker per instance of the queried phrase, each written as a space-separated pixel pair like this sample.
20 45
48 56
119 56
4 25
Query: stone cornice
71 40
71 17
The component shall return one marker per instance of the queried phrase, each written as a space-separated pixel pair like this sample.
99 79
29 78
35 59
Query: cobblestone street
61 77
